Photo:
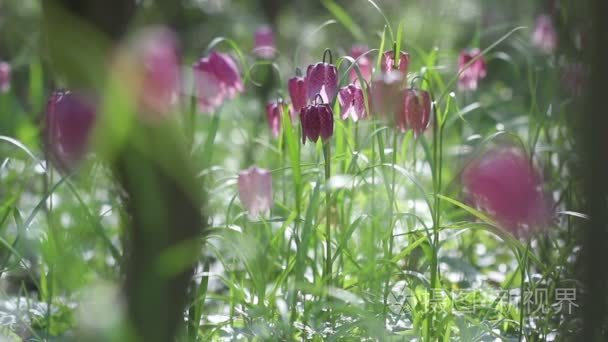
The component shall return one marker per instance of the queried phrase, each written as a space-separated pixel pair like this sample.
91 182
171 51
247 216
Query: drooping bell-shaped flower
358 52
217 78
70 119
274 112
504 183
386 90
255 190
156 50
5 77
352 102
264 44
317 120
322 79
544 36
389 63
297 92
470 75
416 111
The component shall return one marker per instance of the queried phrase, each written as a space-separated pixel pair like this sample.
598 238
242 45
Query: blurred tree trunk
161 192
593 141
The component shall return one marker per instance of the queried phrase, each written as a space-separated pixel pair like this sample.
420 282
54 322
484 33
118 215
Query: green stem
328 263
437 162
389 249
523 268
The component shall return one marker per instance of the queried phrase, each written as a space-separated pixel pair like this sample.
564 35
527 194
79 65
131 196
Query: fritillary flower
70 119
352 102
5 77
322 79
265 47
217 78
544 36
504 183
416 111
470 75
274 112
317 120
255 190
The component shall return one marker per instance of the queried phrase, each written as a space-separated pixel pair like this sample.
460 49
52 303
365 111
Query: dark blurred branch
161 192
593 141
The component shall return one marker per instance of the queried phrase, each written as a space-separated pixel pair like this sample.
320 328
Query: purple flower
416 111
317 120
504 183
363 61
5 77
352 102
70 119
217 78
388 62
265 47
274 112
544 36
470 76
156 50
386 90
297 92
255 190
322 79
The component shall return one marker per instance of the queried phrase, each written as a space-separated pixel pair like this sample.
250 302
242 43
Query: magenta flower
255 190
504 183
416 111
217 78
265 47
297 92
470 76
5 77
388 62
70 119
322 79
352 102
363 61
544 36
317 120
274 112
386 90
156 49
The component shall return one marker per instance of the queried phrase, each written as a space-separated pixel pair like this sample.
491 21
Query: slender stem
328 263
389 250
437 166
523 268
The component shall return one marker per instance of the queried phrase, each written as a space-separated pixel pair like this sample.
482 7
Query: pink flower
504 183
388 62
322 79
544 36
363 61
255 190
274 112
386 90
5 77
297 92
70 119
217 78
156 50
317 120
265 47
416 111
352 102
470 76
